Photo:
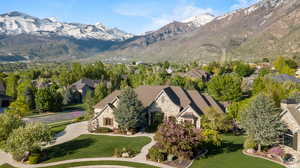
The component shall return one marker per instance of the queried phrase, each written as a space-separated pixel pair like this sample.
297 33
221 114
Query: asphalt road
55 117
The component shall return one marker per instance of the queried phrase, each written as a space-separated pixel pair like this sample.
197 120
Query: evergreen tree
89 103
261 120
130 112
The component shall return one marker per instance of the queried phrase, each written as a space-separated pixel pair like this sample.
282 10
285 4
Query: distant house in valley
84 85
285 78
171 101
4 100
291 116
197 74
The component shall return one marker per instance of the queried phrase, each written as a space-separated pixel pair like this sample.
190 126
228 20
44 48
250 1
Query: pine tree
130 112
261 120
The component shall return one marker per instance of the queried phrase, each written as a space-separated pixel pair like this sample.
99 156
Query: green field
92 146
230 156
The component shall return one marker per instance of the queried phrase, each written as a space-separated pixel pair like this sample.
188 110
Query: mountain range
267 29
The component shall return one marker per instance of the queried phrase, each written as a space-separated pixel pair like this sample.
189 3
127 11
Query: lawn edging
261 157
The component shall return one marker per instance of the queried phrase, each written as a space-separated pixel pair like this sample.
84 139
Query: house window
108 122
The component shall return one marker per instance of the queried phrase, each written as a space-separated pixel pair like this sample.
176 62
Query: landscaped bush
103 130
124 153
277 151
155 154
79 119
34 158
288 157
249 143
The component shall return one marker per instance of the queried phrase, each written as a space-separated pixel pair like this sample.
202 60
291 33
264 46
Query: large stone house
184 105
291 116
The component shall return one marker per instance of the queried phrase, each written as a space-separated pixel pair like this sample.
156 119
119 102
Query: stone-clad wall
290 122
165 105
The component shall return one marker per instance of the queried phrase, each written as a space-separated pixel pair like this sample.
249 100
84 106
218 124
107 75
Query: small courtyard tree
26 139
9 122
177 139
130 112
261 120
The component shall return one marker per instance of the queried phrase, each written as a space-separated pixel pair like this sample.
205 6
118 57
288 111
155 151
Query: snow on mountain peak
14 23
200 20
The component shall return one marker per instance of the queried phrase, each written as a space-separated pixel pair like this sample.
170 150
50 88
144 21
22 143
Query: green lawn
58 127
230 156
118 163
91 146
6 166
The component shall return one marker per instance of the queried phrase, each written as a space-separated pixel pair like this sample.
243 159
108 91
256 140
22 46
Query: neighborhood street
55 117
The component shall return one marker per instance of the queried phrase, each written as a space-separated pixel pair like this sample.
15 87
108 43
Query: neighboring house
4 100
291 116
84 85
184 105
285 78
197 74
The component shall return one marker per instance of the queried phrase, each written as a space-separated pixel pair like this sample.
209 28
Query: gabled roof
85 82
181 97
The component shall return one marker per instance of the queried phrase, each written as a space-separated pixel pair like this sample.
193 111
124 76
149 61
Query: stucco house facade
171 101
291 117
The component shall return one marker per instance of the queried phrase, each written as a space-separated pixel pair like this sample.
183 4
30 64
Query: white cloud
243 4
160 16
178 14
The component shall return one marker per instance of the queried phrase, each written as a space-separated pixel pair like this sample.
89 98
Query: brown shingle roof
181 97
85 82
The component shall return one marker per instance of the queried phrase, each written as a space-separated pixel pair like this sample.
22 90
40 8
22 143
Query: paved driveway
55 117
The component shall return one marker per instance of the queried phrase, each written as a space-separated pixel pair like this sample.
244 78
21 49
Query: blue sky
134 16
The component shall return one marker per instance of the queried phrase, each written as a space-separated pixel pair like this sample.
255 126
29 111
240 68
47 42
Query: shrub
276 151
27 139
124 151
156 155
34 158
288 157
249 143
103 130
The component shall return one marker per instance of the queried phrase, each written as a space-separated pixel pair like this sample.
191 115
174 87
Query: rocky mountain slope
24 37
15 23
200 20
266 29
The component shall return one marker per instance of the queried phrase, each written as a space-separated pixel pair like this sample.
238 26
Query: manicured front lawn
113 163
91 146
230 156
56 128
6 166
